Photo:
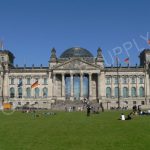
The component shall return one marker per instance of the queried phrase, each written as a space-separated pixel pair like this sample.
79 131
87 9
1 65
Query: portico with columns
89 89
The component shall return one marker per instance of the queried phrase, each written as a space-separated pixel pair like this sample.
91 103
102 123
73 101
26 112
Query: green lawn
74 131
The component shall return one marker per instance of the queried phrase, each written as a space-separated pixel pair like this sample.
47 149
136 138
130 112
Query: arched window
12 92
141 91
45 92
125 92
108 92
116 92
19 92
133 91
116 80
28 92
37 91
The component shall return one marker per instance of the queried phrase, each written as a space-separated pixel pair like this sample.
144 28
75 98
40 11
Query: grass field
74 131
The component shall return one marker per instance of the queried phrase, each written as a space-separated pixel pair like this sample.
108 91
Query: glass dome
76 52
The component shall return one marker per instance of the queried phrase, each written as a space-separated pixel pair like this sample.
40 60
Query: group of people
94 110
136 111
128 117
123 117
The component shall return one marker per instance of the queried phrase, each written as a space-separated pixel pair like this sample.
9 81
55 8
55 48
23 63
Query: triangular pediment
76 64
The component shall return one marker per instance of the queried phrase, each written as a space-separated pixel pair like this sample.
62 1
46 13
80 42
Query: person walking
88 110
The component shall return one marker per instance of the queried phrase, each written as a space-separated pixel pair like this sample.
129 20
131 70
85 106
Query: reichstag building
76 75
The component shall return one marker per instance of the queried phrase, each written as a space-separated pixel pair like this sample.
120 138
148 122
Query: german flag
126 60
35 84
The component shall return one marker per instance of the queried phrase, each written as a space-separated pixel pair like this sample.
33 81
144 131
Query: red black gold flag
126 60
35 84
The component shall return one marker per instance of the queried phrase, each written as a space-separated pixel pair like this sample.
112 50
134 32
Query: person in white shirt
122 116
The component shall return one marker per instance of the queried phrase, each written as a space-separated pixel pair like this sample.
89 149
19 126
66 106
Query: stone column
71 82
81 86
90 85
99 87
137 87
148 87
23 88
54 86
16 88
146 81
5 88
120 87
63 85
129 85
112 86
103 85
50 82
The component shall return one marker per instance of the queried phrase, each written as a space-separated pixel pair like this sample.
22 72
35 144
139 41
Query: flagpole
118 83
1 45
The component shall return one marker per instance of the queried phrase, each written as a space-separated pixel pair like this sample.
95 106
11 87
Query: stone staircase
76 105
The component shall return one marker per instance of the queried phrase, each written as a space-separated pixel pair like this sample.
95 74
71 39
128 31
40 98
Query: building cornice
124 69
29 70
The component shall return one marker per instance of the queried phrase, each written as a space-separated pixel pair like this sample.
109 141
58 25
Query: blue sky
31 28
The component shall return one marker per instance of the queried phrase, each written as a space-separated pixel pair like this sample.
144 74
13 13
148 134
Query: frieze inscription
77 65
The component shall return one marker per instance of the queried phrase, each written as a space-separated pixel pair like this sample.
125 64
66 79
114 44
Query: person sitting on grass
128 117
122 117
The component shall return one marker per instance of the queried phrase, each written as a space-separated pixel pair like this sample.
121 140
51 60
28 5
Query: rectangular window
108 80
28 81
124 80
133 80
20 80
45 81
12 81
134 102
2 58
142 102
141 80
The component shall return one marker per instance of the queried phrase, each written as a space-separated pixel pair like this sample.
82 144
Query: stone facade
75 76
